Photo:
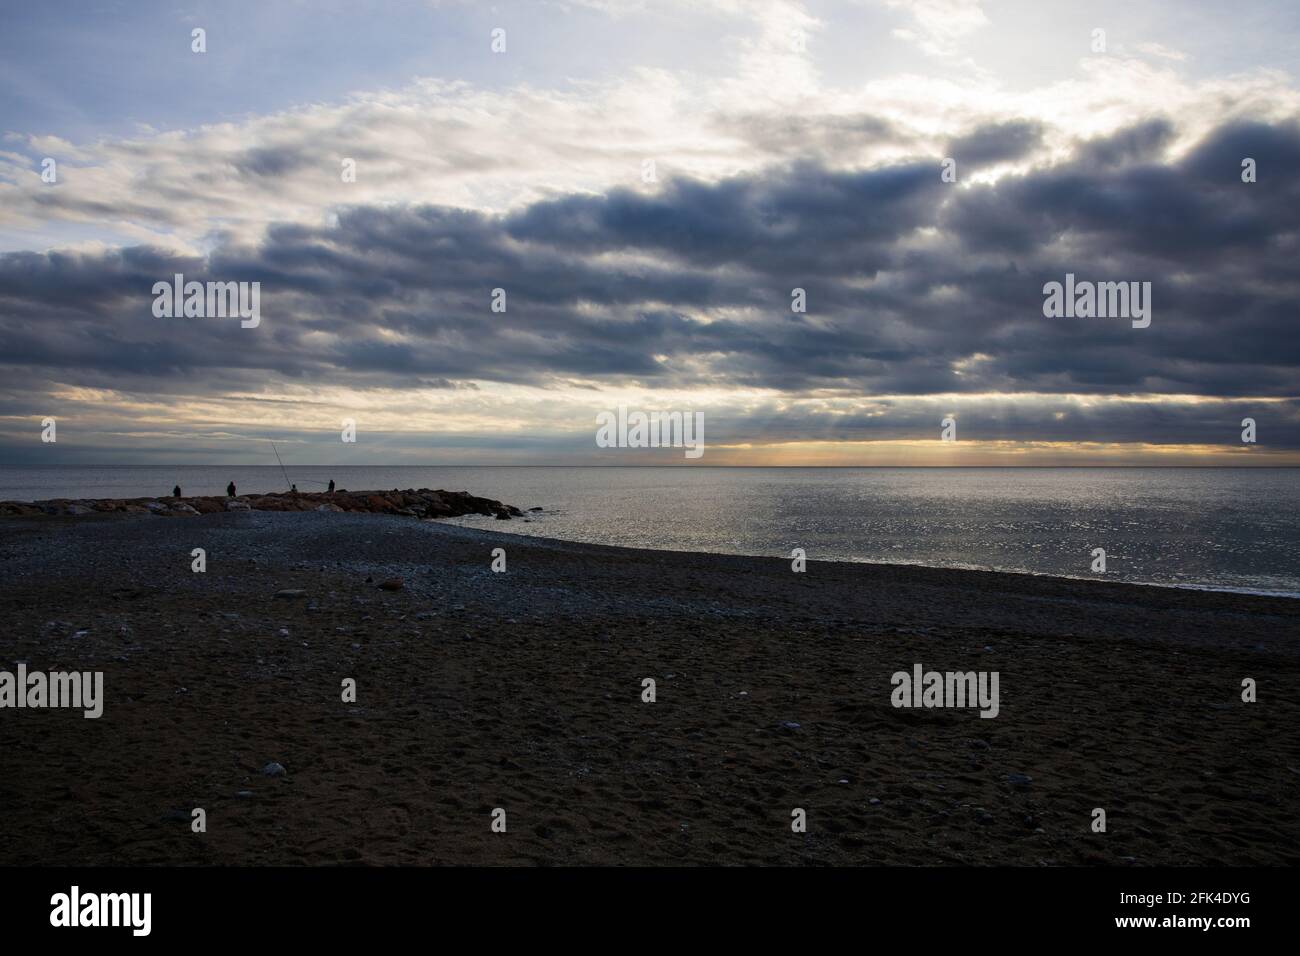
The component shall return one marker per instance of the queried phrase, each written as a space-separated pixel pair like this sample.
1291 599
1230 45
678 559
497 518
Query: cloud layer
923 296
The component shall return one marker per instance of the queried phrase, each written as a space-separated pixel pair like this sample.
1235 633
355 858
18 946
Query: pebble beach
523 690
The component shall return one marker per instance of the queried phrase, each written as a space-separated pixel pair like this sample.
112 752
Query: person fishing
331 486
293 489
230 490
176 492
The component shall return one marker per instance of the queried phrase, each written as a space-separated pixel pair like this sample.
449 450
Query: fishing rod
287 482
310 481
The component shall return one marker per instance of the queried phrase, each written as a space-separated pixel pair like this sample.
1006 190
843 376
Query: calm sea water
1212 527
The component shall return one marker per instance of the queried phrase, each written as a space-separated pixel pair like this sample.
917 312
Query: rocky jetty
422 503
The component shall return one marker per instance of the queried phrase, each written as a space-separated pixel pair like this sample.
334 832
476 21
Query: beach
523 690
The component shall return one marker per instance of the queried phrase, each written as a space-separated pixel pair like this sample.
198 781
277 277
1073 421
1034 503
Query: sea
1233 529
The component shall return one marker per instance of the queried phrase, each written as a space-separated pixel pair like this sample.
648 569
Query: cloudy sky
648 182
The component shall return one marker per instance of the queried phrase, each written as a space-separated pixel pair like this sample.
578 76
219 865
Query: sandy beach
523 690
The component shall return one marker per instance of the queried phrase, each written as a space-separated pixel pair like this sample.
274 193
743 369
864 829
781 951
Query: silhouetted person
176 492
293 489
230 490
331 486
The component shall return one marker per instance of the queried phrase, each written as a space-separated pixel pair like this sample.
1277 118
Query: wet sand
522 690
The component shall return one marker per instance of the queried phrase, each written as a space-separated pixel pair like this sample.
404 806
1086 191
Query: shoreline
1255 592
428 504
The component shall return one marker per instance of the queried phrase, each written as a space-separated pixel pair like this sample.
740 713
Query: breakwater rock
421 503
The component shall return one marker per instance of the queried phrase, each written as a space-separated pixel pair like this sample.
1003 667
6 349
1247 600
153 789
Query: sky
648 183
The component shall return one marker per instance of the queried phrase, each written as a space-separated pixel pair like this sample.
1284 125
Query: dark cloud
914 287
996 143
1143 143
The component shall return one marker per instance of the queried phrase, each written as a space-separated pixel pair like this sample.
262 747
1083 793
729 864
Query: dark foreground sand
523 691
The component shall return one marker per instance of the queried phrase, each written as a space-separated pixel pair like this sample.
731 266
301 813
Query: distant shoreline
680 464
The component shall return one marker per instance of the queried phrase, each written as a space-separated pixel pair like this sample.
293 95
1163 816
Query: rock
534 509
1019 779
423 503
290 594
274 769
789 725
244 795
392 584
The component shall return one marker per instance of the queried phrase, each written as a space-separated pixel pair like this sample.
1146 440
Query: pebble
274 769
1019 779
290 594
